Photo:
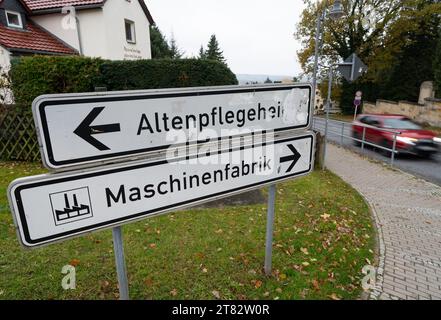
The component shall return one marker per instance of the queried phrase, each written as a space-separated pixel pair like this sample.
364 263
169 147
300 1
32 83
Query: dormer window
14 19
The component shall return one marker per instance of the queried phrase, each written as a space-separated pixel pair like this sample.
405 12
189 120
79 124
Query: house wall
103 31
93 33
115 12
63 29
429 112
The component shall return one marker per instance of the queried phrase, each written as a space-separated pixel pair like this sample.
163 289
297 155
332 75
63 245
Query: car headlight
407 140
437 140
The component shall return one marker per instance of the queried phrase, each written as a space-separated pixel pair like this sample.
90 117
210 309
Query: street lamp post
336 12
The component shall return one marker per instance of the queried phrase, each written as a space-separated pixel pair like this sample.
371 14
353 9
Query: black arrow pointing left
294 158
85 130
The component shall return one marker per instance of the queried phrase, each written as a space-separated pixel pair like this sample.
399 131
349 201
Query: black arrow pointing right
294 158
85 130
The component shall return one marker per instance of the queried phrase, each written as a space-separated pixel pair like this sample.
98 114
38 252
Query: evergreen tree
213 51
175 52
159 45
437 68
202 53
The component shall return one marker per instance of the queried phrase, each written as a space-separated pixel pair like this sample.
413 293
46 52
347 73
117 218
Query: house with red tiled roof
110 29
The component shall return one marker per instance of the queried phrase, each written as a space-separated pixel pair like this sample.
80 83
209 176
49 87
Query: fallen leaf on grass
325 216
216 294
305 263
304 250
257 284
74 262
315 284
148 282
152 245
174 292
204 270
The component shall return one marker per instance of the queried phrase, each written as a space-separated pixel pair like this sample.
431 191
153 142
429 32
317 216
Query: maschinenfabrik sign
55 207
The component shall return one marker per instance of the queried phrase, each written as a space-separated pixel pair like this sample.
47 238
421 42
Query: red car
412 140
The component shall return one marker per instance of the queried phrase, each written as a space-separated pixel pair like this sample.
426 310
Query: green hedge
37 75
154 74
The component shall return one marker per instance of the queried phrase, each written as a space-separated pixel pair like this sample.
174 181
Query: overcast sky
255 35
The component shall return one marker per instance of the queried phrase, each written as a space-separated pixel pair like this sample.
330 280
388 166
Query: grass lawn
323 238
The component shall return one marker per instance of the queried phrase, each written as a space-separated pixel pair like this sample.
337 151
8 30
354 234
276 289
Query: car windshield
397 123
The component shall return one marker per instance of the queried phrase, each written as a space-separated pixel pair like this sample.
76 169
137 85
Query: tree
159 45
414 64
213 51
437 67
384 34
361 30
202 53
175 52
372 29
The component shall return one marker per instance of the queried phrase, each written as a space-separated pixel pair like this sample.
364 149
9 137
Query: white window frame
132 30
20 25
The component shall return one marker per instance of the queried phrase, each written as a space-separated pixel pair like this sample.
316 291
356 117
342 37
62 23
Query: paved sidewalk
408 216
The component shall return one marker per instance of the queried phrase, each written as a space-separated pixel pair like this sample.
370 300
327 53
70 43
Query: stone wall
427 113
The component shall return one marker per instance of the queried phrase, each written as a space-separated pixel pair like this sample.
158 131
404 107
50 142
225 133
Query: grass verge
323 237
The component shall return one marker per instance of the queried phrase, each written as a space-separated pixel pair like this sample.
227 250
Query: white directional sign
51 208
80 130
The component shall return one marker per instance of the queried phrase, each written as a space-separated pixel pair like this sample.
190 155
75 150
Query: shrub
34 76
164 73
37 75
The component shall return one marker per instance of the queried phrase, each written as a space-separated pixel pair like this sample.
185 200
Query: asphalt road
428 169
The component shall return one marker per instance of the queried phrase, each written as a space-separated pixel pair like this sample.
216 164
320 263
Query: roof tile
54 4
32 38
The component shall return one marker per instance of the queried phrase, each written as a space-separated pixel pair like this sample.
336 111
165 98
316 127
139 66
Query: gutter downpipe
80 45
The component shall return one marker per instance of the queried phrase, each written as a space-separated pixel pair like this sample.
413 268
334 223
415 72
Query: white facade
102 30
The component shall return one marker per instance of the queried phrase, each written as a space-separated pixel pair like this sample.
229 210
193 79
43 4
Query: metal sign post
120 262
270 229
357 103
118 250
328 106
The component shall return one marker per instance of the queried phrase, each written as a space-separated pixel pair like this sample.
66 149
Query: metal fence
18 138
339 129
